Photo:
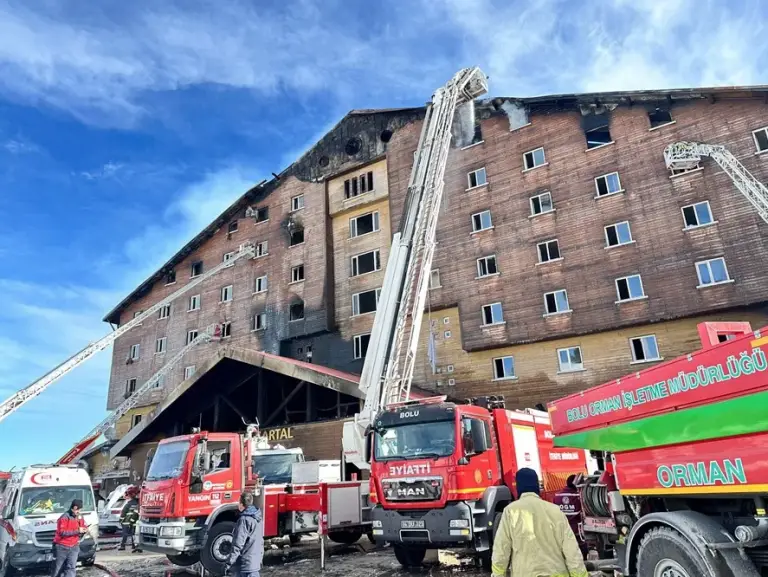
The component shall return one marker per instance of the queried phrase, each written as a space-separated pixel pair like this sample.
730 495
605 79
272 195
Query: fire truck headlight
171 531
25 537
376 524
459 523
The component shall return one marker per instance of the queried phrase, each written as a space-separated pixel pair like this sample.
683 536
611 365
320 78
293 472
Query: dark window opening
130 387
365 302
598 136
262 214
226 330
232 227
361 345
170 277
761 139
365 263
297 237
637 348
296 311
478 137
623 287
197 268
659 117
297 273
364 224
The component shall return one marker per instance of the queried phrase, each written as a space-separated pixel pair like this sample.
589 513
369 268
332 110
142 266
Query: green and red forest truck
683 450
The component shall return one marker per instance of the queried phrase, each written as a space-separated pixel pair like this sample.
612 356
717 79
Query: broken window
477 178
262 214
160 345
191 336
481 221
170 277
226 330
618 234
297 273
434 279
533 159
608 184
361 345
297 202
232 227
164 312
365 302
364 224
492 314
541 203
478 136
260 284
556 302
486 266
196 269
549 250
297 237
296 311
659 117
262 249
644 349
366 262
259 322
629 288
699 214
598 136
504 368
761 139
226 293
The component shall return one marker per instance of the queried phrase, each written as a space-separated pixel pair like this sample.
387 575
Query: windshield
46 500
274 469
168 460
416 440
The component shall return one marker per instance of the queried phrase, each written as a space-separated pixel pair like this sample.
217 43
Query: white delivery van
34 499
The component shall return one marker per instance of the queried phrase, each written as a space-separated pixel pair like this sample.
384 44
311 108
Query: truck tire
217 547
665 552
185 559
346 537
409 556
89 562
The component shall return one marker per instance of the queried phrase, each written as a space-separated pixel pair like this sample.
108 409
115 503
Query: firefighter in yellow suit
534 538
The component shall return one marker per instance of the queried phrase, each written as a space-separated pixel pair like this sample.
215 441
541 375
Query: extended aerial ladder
213 332
687 156
390 359
29 392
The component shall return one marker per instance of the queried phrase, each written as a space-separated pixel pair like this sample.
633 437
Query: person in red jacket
66 543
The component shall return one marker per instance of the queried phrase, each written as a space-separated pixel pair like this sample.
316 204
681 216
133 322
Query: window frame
485 260
131 385
538 197
357 346
356 302
533 152
164 309
660 124
187 373
295 200
255 323
260 280
136 420
615 225
490 220
605 176
477 184
375 224
189 334
161 345
170 277
230 229
199 301
432 285
228 256
640 338
707 262
693 206
290 312
546 244
135 347
571 368
557 312
261 252
630 298
757 144
354 263
493 321
296 271
192 266
228 289
504 377
303 232
607 128
226 330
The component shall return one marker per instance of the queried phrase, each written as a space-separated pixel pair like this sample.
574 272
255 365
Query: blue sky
126 126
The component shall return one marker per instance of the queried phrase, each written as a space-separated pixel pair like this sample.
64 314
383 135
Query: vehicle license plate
411 524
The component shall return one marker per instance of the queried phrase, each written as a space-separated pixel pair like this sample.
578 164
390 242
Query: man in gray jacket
247 540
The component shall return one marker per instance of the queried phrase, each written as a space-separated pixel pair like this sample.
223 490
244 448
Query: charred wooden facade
567 252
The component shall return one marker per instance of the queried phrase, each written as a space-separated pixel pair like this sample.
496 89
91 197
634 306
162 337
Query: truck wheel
217 547
346 537
185 559
410 556
665 553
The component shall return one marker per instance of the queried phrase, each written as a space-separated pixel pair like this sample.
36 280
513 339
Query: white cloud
19 146
108 170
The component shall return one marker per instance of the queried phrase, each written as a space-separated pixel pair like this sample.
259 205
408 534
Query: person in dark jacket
66 542
247 540
129 516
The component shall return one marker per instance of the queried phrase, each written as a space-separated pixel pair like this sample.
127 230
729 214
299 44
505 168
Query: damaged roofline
496 105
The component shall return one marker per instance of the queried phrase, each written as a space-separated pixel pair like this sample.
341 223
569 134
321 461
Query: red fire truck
442 472
189 500
683 480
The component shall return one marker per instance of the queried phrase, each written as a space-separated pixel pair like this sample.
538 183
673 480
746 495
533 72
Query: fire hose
594 498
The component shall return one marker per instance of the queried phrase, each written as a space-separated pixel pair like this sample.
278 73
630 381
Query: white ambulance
33 501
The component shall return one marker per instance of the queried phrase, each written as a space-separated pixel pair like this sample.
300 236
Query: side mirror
479 440
368 447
